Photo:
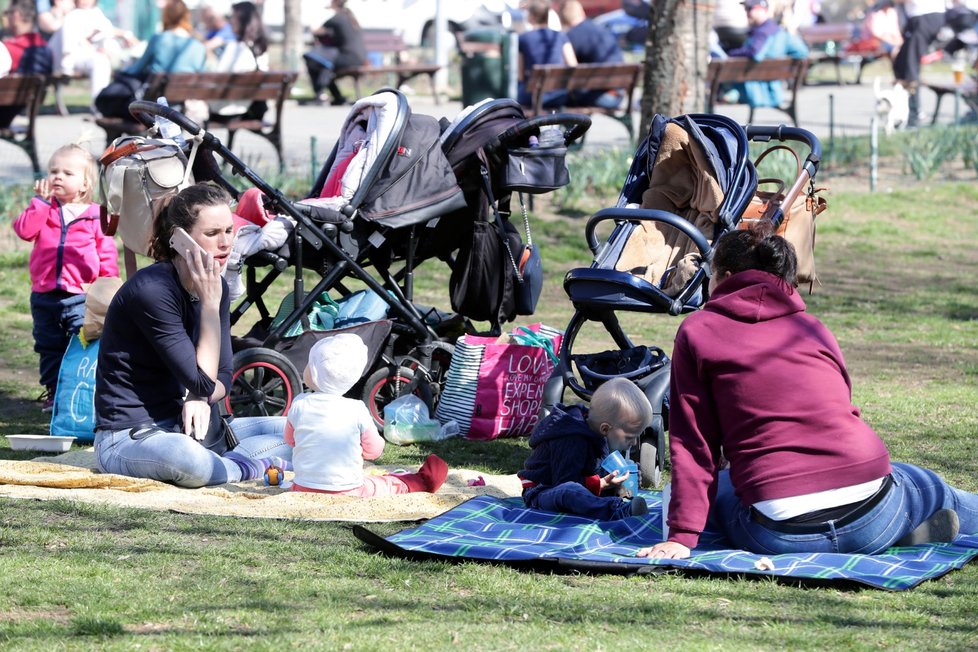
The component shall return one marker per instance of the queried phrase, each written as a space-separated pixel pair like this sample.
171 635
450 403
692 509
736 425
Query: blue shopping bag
74 399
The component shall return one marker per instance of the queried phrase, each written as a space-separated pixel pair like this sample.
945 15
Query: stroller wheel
263 384
388 383
649 466
441 360
652 453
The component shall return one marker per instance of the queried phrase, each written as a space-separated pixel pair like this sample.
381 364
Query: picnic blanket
488 528
74 476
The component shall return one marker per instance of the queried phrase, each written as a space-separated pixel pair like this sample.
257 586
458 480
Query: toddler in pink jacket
70 252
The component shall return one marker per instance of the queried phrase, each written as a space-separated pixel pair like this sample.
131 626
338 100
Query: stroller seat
690 185
683 182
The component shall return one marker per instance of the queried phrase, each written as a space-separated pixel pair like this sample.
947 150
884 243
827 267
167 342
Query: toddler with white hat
332 434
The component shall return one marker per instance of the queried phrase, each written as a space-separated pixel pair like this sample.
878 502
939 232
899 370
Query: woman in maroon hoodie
759 382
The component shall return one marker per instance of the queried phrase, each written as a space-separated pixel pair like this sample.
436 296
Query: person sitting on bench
592 43
766 40
542 46
340 44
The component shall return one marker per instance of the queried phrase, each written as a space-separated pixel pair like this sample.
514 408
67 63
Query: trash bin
486 64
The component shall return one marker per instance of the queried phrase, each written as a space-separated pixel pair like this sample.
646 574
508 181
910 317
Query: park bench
586 77
391 47
23 91
214 86
968 90
58 83
735 70
827 43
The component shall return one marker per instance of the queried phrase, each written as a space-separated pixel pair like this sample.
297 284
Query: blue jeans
603 99
57 316
915 495
574 498
551 99
178 459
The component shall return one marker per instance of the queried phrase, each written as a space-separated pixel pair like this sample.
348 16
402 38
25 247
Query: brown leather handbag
798 225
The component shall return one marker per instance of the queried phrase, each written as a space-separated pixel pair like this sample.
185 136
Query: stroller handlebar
145 112
643 215
797 134
576 125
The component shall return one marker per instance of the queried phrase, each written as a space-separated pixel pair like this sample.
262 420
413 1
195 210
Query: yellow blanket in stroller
680 183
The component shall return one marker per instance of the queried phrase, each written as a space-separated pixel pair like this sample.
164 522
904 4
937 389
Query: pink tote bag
495 385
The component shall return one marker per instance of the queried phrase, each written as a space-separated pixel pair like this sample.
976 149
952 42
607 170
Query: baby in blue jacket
562 472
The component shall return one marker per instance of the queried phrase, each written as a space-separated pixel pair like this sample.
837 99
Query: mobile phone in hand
184 245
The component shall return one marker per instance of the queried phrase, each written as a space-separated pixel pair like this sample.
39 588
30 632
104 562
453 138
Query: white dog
892 106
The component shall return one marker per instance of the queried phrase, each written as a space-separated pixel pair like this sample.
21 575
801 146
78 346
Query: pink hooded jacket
65 256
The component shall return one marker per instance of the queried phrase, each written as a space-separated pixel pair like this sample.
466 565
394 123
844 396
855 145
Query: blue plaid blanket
504 530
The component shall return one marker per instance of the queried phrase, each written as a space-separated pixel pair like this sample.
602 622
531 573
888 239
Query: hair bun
762 229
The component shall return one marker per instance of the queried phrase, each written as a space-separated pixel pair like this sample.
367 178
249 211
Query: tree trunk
676 57
293 46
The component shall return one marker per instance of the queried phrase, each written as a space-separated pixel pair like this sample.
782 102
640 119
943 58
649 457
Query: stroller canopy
478 127
387 166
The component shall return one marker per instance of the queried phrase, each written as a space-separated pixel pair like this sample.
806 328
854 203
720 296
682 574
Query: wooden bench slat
739 70
26 91
209 86
823 33
181 90
584 77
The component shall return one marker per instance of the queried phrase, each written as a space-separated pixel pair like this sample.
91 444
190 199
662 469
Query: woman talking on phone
165 360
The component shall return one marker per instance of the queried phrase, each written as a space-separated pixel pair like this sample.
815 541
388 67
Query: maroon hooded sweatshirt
754 374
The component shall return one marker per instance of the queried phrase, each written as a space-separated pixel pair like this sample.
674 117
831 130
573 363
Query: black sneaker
639 507
46 399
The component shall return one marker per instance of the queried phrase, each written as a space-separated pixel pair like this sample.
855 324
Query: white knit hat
336 363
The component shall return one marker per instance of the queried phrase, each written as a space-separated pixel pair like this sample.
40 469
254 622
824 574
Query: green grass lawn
898 290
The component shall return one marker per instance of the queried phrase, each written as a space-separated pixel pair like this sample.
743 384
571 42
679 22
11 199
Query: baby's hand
42 188
613 480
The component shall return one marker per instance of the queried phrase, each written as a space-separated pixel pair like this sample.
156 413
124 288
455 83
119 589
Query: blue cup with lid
617 462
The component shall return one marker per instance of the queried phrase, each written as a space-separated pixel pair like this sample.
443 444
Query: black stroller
495 151
404 208
695 174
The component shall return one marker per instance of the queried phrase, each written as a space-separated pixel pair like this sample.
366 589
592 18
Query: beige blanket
73 476
682 184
